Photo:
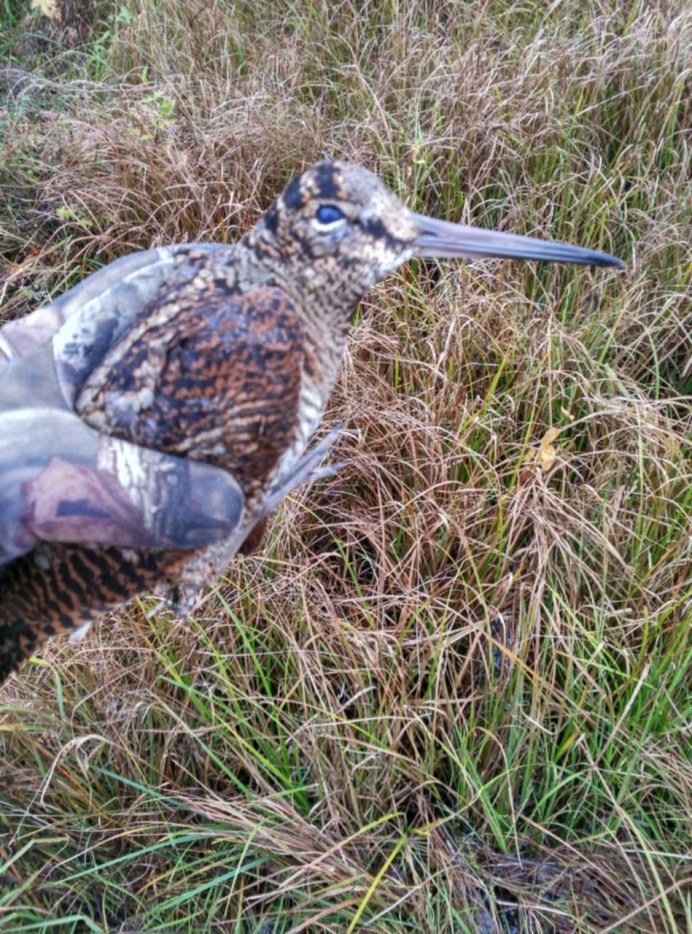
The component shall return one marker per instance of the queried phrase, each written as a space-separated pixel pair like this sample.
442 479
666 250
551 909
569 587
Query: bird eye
329 214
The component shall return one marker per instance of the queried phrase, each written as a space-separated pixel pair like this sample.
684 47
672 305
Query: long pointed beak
440 238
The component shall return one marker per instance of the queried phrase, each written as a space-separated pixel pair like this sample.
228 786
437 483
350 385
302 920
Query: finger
22 337
62 481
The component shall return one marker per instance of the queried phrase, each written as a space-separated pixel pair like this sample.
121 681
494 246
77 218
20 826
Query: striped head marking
335 228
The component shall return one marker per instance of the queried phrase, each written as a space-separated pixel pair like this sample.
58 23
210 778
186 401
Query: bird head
337 229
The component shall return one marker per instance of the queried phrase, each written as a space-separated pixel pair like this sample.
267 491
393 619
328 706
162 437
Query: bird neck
325 301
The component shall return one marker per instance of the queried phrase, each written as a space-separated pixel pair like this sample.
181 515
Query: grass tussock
451 693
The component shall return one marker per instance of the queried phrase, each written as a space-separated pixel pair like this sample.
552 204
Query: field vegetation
451 692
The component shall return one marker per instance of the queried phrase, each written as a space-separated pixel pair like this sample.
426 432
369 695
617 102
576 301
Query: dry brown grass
450 695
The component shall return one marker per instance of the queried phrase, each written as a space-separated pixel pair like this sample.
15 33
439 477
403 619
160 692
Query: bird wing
207 375
213 376
99 311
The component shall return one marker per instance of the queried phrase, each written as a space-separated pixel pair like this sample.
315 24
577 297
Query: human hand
62 481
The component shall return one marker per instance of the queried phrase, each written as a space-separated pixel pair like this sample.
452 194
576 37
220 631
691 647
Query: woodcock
228 355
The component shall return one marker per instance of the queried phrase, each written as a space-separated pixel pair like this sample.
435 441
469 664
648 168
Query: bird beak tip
437 239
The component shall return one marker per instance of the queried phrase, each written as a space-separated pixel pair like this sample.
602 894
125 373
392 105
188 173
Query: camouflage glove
62 481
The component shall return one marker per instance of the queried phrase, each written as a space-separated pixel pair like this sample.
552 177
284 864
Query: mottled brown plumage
221 386
225 354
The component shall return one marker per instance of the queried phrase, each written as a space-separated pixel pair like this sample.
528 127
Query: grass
452 692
